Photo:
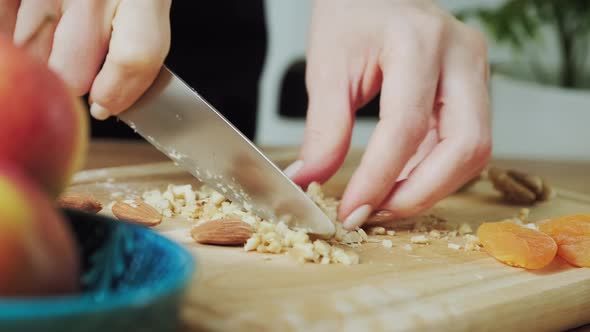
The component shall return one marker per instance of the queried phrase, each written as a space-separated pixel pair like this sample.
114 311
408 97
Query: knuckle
80 88
422 30
476 41
137 58
436 27
419 128
79 82
415 127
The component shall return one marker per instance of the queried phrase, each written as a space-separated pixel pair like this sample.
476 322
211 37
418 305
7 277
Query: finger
139 43
35 24
464 128
8 12
81 42
407 99
337 84
328 124
428 143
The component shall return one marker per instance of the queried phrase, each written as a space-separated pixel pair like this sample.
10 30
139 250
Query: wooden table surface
572 175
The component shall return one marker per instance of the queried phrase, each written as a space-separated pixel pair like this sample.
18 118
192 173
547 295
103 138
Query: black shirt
218 48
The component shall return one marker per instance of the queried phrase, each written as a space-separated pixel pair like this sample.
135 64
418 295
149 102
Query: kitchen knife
180 123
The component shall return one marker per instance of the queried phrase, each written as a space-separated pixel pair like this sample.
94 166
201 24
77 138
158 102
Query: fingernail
293 169
380 216
98 112
357 217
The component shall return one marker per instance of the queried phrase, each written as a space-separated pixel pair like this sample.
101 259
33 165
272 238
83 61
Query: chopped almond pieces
419 239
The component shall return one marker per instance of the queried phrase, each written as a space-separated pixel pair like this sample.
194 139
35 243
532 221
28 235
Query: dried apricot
572 234
516 245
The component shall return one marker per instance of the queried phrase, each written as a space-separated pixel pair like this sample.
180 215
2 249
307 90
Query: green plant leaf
519 23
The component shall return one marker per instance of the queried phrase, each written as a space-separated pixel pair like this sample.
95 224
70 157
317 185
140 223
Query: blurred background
247 59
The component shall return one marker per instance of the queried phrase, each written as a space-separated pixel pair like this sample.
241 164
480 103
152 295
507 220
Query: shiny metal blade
181 124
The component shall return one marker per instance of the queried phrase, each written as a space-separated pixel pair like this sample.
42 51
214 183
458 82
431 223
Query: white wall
524 125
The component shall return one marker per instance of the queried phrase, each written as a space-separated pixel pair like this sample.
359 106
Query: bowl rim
92 302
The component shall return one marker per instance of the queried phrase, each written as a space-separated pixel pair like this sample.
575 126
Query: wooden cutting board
429 288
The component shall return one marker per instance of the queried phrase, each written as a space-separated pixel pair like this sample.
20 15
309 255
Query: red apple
38 255
43 126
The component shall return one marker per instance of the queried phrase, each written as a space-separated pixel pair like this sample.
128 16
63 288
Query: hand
434 121
111 48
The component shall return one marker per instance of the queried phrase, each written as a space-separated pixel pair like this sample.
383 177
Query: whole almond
78 201
228 232
138 212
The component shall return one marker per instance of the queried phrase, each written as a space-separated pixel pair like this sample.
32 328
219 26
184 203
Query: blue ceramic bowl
133 280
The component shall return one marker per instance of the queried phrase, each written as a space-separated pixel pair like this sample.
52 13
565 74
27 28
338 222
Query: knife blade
180 123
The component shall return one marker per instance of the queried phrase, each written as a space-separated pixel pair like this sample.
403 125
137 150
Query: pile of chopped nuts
219 221
205 205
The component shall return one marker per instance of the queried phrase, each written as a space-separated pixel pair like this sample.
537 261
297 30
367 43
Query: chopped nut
387 243
377 230
79 201
465 229
472 242
454 246
419 239
345 257
322 248
547 193
428 223
519 187
390 232
350 238
328 204
252 243
523 214
206 204
434 234
222 232
302 252
533 183
137 211
363 234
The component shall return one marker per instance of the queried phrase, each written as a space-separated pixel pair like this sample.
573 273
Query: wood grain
430 288
568 174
